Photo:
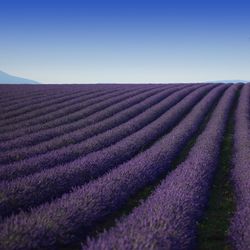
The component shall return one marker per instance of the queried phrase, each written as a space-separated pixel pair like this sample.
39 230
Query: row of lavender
114 161
58 222
14 94
47 184
11 94
240 226
168 218
20 109
138 128
31 120
47 94
142 101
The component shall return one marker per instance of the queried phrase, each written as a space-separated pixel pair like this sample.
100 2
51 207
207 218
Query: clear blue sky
125 40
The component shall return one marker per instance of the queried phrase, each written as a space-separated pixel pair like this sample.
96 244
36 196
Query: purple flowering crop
70 153
240 225
74 158
168 218
57 223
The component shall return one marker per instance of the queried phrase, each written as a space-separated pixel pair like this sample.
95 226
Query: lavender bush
48 134
168 218
57 223
70 153
240 225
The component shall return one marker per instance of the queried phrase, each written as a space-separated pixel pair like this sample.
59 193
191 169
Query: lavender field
125 166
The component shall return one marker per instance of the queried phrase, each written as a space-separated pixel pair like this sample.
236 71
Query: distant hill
9 79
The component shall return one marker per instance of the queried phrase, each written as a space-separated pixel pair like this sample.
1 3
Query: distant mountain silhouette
9 79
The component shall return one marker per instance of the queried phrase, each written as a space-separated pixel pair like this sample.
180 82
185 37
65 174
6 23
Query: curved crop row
15 95
49 99
46 185
57 223
132 142
48 134
7 98
71 113
168 218
30 118
12 101
33 100
73 133
40 115
240 224
47 92
67 118
67 96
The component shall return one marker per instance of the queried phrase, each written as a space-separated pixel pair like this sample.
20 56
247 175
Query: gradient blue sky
59 41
